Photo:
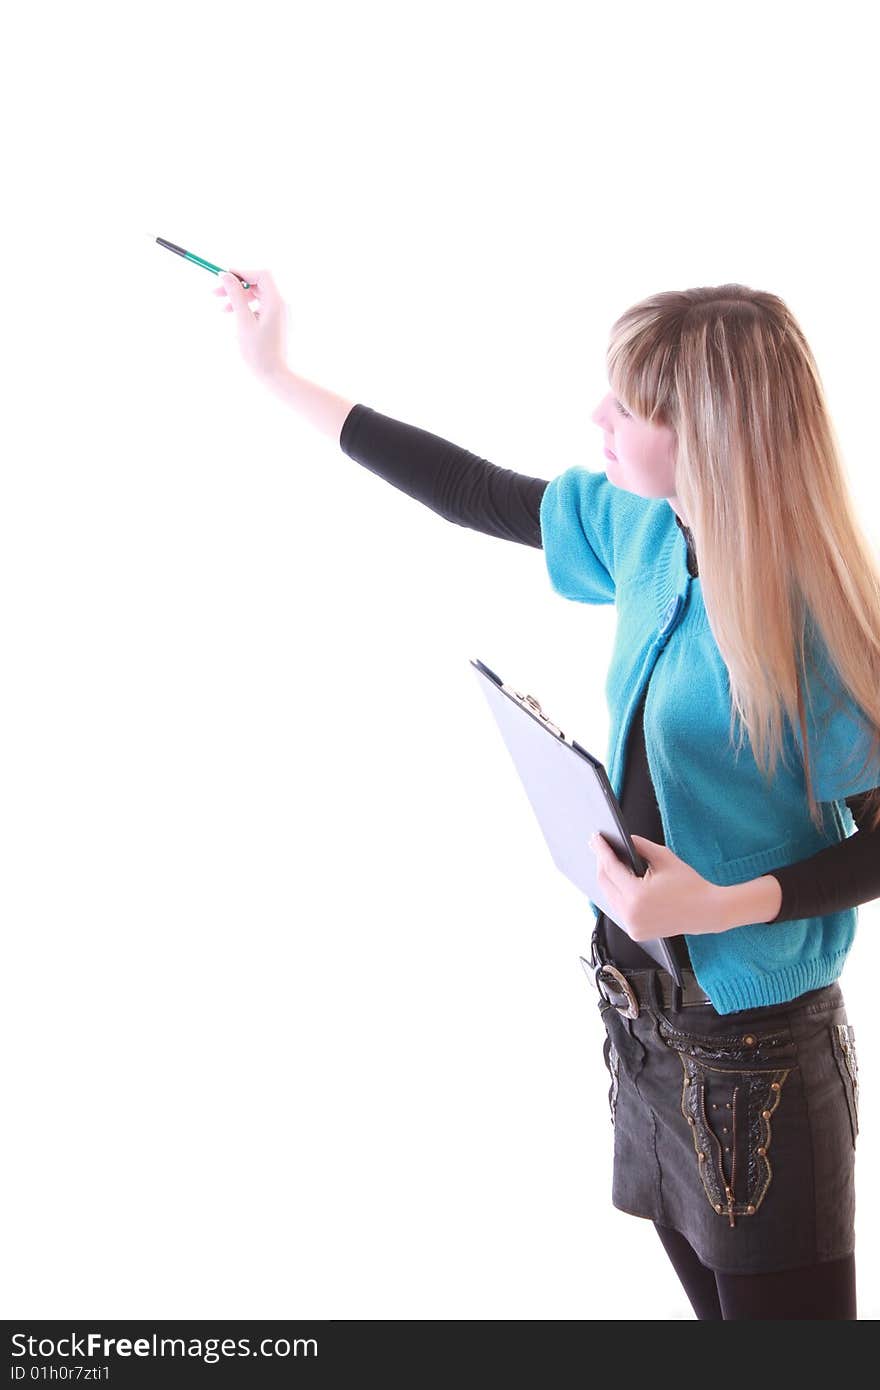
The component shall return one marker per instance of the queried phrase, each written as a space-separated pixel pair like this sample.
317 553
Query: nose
598 415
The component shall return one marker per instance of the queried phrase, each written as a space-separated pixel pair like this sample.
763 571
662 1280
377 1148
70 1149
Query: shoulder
595 533
612 519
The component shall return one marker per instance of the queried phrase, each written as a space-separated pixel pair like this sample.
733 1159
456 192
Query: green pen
197 260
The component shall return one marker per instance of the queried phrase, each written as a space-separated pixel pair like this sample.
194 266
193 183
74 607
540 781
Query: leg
825 1290
697 1280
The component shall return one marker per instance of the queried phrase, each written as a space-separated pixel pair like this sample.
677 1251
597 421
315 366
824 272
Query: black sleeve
841 876
458 485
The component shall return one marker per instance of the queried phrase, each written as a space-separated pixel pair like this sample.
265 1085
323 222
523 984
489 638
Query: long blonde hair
761 480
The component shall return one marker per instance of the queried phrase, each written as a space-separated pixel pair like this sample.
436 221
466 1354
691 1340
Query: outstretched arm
460 486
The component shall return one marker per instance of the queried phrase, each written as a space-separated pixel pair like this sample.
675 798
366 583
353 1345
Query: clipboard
571 796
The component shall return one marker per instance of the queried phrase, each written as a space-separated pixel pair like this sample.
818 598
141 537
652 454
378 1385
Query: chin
614 472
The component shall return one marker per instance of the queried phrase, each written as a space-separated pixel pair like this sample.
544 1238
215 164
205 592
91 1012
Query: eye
621 409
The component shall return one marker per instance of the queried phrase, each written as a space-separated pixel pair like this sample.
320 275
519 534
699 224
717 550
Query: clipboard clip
529 703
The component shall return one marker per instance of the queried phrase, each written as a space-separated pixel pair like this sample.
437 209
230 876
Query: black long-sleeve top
470 491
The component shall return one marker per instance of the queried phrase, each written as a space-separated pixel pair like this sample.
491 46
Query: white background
293 1021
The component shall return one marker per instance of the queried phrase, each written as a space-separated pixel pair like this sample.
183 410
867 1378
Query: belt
630 991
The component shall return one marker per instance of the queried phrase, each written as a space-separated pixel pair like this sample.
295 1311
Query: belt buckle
631 1010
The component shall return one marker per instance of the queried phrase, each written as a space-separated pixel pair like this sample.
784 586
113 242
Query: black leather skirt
738 1130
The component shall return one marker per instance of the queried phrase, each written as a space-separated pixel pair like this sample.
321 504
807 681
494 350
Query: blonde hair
761 480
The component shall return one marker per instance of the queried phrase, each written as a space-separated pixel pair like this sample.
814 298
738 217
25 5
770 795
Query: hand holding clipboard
571 796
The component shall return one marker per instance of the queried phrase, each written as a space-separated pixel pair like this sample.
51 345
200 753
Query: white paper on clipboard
570 794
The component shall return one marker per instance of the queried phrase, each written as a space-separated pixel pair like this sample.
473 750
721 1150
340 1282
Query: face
644 453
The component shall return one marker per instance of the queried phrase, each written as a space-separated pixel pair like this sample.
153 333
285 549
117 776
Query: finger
221 290
607 862
252 293
262 281
650 851
228 283
253 277
645 843
238 298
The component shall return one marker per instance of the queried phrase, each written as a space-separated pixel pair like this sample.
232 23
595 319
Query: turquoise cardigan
605 545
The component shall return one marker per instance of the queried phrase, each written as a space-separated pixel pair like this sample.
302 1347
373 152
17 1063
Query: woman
734 1097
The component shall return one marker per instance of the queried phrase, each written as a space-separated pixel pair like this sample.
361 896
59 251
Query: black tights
825 1290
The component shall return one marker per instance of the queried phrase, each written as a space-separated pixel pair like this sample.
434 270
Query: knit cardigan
603 544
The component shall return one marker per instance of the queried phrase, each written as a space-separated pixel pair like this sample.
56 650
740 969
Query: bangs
640 375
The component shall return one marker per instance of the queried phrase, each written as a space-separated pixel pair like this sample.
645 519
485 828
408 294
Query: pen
197 260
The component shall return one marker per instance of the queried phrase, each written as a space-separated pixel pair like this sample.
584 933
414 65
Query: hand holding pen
262 329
